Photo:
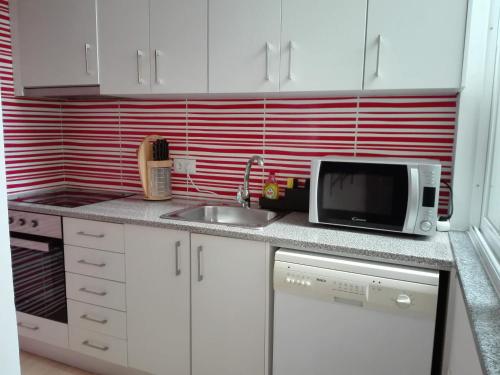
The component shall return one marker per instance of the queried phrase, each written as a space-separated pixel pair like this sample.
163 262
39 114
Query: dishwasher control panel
356 289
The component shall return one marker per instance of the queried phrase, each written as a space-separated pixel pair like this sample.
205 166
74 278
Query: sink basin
228 215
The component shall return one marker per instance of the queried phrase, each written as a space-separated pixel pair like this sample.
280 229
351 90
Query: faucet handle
242 196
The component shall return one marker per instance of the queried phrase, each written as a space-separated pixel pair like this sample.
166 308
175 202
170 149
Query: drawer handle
94 346
86 317
87 263
82 233
28 326
85 290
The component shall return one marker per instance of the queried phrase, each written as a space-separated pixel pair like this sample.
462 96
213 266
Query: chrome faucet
243 196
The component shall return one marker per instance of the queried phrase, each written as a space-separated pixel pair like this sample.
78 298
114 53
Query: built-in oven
390 194
38 265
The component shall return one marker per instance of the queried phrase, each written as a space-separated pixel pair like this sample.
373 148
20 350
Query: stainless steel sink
228 215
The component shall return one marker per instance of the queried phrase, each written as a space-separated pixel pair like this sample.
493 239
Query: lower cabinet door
158 301
230 279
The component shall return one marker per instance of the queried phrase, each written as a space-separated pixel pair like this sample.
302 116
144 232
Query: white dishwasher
337 316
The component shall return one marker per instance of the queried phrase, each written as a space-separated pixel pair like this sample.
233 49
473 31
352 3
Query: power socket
185 166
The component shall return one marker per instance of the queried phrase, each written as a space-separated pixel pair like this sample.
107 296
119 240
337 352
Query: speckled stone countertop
481 300
292 231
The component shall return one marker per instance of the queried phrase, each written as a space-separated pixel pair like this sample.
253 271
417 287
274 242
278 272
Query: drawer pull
82 233
177 258
86 317
85 290
94 346
87 263
28 326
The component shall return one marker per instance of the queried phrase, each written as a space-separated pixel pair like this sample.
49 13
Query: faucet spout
243 196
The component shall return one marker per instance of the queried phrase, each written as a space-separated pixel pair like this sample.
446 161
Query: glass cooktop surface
70 197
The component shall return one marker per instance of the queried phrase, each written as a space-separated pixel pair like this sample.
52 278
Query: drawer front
97 319
99 292
96 263
45 330
94 234
97 345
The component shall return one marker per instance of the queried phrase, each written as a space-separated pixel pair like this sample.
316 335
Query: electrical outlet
185 166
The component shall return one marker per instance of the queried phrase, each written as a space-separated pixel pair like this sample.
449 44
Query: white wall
9 347
473 115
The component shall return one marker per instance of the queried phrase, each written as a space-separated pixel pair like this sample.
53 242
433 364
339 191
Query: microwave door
362 195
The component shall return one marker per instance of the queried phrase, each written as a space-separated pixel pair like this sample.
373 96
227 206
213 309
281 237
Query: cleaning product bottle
271 189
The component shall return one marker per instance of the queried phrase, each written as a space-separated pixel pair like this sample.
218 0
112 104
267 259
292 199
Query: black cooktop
71 197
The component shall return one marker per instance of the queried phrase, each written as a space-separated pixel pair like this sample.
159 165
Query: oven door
39 278
367 195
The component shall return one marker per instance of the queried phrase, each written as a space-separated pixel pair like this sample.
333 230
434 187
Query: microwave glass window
358 192
363 194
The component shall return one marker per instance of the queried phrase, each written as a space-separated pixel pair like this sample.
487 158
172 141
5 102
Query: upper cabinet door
124 46
415 44
244 45
179 46
322 45
57 42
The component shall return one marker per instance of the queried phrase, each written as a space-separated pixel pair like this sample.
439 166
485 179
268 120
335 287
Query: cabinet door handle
177 258
268 61
85 290
87 49
82 233
158 79
86 317
291 48
33 327
140 56
379 48
95 346
83 261
200 274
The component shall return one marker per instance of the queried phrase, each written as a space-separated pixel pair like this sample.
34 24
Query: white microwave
390 194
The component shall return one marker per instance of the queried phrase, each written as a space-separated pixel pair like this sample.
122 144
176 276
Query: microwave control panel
429 177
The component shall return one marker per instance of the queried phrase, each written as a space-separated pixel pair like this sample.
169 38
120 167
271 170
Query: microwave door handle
413 200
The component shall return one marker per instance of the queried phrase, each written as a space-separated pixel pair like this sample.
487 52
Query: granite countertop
481 300
292 231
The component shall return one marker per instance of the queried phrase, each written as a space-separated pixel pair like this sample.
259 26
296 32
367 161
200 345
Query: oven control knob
22 222
403 301
34 223
11 219
426 225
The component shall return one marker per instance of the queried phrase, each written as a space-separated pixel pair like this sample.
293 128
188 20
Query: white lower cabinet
230 279
158 269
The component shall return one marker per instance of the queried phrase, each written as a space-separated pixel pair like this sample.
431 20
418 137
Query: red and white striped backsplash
94 143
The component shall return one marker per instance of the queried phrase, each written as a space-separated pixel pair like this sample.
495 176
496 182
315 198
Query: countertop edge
478 294
255 235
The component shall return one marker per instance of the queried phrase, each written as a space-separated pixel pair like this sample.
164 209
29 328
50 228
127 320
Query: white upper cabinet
230 290
244 45
158 300
124 46
322 45
415 44
57 42
178 30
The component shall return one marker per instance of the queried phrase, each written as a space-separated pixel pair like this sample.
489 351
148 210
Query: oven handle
30 244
